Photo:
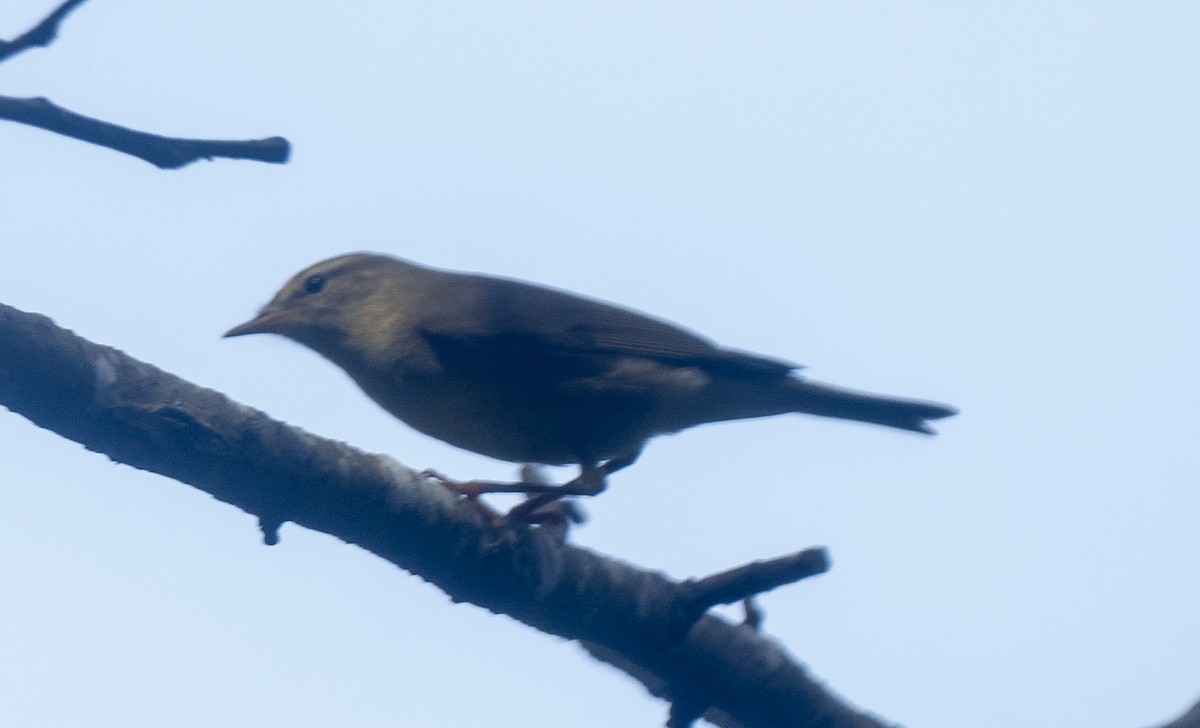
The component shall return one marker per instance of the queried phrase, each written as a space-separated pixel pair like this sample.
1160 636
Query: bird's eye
314 284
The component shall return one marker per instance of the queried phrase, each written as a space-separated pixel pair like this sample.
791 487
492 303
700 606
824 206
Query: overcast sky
988 204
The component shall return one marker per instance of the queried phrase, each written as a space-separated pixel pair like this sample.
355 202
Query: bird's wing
546 327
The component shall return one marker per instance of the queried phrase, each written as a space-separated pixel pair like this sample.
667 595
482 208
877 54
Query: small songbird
529 374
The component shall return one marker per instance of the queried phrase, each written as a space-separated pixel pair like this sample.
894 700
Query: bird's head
328 303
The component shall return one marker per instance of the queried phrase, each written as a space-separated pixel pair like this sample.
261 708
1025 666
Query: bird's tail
821 399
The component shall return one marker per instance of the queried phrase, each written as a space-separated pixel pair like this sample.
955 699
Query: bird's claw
471 489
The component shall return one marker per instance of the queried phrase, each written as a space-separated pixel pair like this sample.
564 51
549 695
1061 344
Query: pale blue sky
989 204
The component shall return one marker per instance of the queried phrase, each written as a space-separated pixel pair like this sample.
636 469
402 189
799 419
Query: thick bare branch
162 152
1190 719
42 34
637 619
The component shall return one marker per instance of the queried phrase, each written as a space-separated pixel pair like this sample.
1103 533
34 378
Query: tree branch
639 620
42 34
746 581
162 152
1190 719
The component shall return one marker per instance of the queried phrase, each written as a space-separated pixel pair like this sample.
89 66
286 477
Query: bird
530 374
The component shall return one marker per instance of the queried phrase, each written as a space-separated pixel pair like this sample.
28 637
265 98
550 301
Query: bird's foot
555 517
592 480
543 507
472 489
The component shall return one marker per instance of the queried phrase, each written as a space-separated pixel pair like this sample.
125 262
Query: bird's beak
266 322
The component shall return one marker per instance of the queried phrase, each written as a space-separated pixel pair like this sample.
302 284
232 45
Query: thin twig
162 152
754 614
42 34
754 578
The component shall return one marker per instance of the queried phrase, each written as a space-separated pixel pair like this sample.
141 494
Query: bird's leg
589 482
622 461
592 480
474 488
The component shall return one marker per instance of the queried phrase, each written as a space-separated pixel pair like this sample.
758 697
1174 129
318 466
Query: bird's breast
509 416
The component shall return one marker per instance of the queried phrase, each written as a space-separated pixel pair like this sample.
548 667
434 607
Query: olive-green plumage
533 375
